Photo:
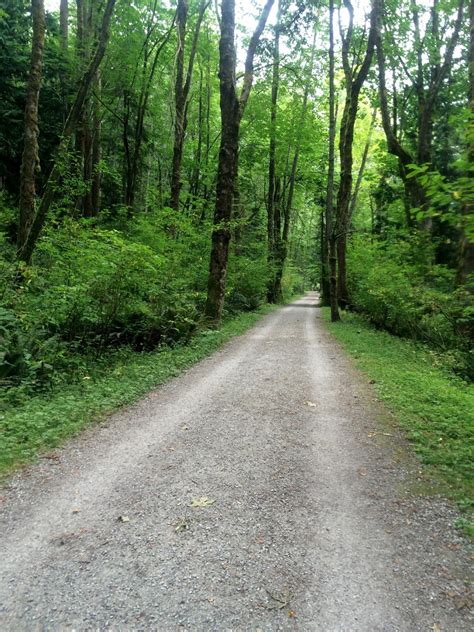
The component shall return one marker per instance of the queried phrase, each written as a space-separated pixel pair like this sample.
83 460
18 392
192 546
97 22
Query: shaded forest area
164 165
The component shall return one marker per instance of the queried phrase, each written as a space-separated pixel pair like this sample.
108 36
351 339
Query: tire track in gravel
312 527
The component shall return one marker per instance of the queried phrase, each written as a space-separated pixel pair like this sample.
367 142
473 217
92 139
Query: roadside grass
435 407
44 421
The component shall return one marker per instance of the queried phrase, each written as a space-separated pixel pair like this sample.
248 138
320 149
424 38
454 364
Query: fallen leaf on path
436 628
453 547
282 600
52 456
311 404
181 525
204 501
123 519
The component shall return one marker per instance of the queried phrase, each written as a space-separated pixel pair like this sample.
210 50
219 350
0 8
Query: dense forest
165 165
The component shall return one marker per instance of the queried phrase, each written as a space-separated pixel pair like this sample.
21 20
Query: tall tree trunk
207 143
30 159
329 278
280 244
26 252
466 246
361 172
271 237
354 83
196 174
182 15
96 146
133 153
64 42
232 109
182 88
64 25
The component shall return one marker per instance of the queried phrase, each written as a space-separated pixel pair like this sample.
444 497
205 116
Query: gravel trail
310 523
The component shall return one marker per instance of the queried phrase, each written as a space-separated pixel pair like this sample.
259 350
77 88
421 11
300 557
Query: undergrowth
434 406
43 421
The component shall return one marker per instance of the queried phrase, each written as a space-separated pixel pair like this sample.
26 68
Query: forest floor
264 489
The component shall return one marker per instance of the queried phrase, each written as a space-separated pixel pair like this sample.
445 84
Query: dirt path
312 526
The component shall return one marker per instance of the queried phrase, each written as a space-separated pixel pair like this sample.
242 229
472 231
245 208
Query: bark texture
182 88
30 159
328 281
232 109
272 202
354 79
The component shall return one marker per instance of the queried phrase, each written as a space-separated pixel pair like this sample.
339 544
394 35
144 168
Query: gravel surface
308 523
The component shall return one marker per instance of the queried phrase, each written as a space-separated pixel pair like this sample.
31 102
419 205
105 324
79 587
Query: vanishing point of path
308 520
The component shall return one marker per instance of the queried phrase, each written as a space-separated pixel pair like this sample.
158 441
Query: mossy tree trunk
30 160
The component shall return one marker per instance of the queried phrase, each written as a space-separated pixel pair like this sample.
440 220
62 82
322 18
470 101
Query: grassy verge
435 407
44 421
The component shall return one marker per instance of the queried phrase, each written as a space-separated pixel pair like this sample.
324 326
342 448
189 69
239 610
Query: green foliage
117 379
392 282
93 288
447 197
435 408
247 284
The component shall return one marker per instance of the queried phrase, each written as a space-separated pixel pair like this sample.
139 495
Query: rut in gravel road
308 523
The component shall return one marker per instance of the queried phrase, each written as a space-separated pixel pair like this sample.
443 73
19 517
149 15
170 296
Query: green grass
434 406
44 421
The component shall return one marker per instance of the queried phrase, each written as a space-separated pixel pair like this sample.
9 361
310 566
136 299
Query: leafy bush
412 298
247 283
91 289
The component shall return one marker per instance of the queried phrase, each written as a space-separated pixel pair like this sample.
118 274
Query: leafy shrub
411 298
91 289
247 283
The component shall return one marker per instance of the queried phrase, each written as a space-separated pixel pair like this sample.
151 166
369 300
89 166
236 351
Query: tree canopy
164 165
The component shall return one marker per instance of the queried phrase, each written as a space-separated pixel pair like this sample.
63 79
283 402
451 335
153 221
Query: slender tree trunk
272 239
182 88
133 154
30 159
324 277
81 133
26 252
466 246
232 109
96 146
64 42
281 239
333 277
182 15
64 25
208 126
361 172
330 273
87 159
196 175
354 85
342 289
